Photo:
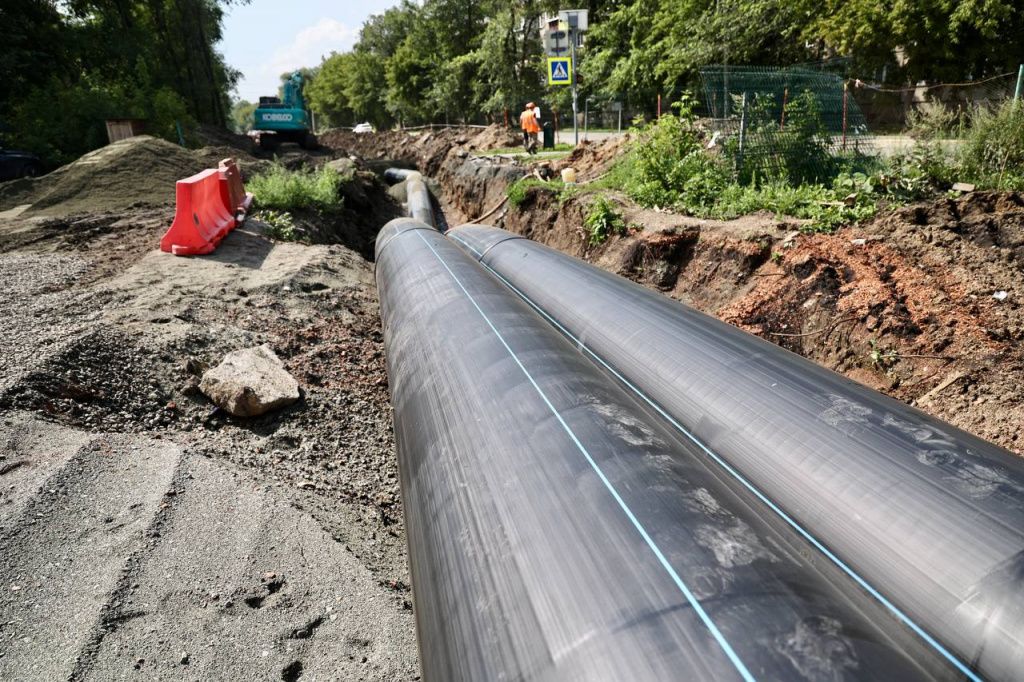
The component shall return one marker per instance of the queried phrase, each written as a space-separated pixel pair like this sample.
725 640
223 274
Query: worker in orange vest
528 122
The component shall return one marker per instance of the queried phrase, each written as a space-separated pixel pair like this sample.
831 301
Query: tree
242 112
68 64
935 39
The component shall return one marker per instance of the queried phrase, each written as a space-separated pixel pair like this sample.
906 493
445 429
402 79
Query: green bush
603 221
669 167
282 189
800 150
933 121
992 153
668 154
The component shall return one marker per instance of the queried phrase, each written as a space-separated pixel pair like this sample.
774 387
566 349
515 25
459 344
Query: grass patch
519 190
520 153
285 190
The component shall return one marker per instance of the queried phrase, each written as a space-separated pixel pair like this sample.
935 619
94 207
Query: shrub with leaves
603 221
669 166
282 189
279 224
932 121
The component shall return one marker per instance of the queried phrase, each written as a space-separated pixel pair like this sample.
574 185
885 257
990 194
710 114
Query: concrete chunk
250 382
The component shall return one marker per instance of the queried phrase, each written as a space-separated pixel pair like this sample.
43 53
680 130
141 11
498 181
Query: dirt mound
213 136
139 171
248 164
99 381
379 145
425 148
593 159
923 304
496 137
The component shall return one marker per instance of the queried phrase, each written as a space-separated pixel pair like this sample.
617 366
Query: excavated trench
921 303
772 280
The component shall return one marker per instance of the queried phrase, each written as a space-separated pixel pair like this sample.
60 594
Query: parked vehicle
364 128
17 164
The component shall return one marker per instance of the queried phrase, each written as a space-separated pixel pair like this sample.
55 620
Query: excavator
285 118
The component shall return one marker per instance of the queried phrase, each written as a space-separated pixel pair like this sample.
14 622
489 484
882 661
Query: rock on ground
250 382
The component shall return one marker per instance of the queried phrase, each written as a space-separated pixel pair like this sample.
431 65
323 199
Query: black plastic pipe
418 202
927 519
396 175
560 530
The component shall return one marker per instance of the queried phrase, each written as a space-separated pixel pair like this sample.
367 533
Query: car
364 128
15 164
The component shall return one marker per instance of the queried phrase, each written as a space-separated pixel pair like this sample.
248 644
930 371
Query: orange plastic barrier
234 194
202 217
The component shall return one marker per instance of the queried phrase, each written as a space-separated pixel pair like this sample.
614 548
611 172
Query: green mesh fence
798 122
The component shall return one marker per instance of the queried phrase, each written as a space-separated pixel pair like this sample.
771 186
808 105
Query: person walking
528 123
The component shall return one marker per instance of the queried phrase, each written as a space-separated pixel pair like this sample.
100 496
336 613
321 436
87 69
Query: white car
363 128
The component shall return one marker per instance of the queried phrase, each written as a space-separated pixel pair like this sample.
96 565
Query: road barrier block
202 216
233 192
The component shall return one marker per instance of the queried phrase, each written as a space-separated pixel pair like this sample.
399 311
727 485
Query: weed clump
603 221
280 225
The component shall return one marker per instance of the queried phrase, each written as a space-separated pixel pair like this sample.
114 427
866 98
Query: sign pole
575 110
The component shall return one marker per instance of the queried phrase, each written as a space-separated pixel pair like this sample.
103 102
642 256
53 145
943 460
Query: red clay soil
911 304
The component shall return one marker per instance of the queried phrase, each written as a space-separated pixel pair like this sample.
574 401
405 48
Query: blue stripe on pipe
715 632
895 610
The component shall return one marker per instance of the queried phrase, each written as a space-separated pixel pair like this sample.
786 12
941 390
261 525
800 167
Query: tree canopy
468 60
66 66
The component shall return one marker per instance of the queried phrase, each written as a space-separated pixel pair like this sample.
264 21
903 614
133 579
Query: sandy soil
146 534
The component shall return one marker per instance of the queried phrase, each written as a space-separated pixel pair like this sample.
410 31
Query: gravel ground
148 535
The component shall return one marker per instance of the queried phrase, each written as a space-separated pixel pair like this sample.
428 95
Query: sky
269 37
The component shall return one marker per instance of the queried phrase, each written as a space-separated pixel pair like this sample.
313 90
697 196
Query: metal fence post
743 133
1020 83
846 95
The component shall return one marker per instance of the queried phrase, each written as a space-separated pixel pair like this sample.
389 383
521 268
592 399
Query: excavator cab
284 119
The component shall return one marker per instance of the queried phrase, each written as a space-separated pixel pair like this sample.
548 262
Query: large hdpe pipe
926 518
417 195
396 175
559 530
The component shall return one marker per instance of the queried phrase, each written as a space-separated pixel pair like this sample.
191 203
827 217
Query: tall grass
285 190
992 153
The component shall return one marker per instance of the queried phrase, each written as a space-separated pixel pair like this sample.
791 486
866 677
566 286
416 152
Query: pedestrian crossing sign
559 70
